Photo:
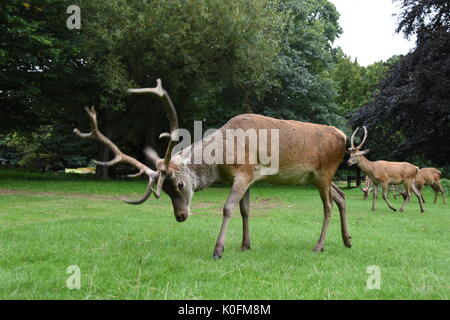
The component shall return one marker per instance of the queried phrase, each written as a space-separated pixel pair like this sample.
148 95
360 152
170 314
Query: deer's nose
181 217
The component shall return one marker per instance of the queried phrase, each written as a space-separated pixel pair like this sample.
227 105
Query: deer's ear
365 151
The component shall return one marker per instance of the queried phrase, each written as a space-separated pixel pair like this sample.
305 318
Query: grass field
141 252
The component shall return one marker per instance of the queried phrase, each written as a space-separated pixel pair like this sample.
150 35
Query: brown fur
430 177
385 173
309 153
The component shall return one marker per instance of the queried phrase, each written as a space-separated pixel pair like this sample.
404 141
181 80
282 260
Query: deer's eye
180 185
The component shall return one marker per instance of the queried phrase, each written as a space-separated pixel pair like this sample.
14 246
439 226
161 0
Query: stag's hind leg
441 189
244 206
385 187
420 189
436 192
418 195
325 195
408 187
339 197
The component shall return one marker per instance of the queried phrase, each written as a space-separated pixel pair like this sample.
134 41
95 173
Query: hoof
346 238
395 210
245 248
318 249
218 252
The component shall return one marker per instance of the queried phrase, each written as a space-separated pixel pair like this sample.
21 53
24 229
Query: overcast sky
369 30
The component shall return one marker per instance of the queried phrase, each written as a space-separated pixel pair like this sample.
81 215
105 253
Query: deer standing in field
308 153
430 177
384 173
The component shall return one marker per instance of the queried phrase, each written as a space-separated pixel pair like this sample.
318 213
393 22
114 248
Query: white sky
369 30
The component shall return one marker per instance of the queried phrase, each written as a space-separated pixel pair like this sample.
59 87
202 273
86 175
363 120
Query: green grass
140 252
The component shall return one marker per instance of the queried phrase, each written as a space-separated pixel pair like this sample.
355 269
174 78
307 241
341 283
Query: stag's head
355 152
170 175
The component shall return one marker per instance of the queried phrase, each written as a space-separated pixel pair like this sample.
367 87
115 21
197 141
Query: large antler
120 157
163 166
362 142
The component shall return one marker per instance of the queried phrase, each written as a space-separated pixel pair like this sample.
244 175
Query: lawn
48 223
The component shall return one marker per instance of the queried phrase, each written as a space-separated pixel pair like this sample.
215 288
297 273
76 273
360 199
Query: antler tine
119 155
171 114
364 139
94 128
134 175
152 155
147 193
353 137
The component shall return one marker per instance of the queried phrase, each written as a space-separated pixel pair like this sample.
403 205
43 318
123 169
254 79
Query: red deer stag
385 173
430 177
308 153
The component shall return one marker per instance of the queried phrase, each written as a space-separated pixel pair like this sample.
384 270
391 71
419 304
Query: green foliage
43 75
194 46
41 149
306 91
216 58
357 85
410 116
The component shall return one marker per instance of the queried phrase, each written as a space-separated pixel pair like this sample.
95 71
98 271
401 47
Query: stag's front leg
244 206
375 196
238 190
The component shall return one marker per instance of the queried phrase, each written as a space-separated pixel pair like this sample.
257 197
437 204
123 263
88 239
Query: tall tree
203 50
410 117
305 90
42 72
357 84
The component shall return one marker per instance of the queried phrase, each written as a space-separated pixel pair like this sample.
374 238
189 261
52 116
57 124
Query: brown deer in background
430 177
385 173
368 183
308 154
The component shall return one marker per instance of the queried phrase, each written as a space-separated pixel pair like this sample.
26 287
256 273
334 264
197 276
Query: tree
409 118
203 51
357 84
305 89
39 59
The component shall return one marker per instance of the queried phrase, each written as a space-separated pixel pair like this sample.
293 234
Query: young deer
430 177
308 153
385 173
368 183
